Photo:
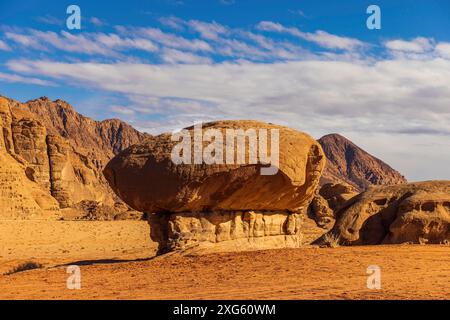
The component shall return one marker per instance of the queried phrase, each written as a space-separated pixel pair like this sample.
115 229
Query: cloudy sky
165 64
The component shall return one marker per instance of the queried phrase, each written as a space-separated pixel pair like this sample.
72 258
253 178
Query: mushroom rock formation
193 202
409 213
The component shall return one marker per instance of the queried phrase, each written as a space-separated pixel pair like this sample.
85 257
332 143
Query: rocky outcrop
328 200
97 211
59 154
237 230
348 163
100 140
410 213
146 178
29 138
219 202
20 197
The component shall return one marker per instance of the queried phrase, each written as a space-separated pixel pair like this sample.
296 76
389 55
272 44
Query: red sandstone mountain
52 158
349 163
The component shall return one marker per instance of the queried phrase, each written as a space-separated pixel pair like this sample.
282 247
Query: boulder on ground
409 213
189 204
328 200
146 178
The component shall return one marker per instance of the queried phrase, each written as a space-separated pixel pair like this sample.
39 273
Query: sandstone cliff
58 152
348 163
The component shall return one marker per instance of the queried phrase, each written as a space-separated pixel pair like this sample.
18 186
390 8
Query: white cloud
389 96
173 56
22 39
331 41
97 22
418 49
14 78
237 43
322 38
86 43
173 22
215 40
126 111
443 50
167 39
50 20
113 41
417 45
207 30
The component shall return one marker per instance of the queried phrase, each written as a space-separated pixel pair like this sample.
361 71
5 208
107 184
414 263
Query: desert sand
116 263
57 242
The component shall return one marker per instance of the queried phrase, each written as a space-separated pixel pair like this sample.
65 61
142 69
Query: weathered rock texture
410 213
57 153
328 200
219 202
20 197
94 211
348 163
145 177
238 229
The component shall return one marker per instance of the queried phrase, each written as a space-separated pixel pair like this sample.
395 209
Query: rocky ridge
348 163
59 153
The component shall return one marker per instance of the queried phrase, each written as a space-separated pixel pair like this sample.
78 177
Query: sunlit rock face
221 202
52 160
409 213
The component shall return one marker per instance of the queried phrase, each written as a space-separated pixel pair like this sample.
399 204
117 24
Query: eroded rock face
29 143
328 200
410 213
21 198
240 230
57 154
145 177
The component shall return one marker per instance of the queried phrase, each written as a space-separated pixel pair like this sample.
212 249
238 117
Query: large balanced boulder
191 202
147 179
410 213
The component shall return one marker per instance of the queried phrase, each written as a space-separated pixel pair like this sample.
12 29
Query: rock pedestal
220 203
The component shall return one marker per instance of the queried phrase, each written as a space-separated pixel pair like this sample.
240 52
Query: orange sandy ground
408 272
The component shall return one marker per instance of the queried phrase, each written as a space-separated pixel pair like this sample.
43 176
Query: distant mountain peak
349 163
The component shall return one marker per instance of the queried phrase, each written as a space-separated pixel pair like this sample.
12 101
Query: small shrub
331 240
29 265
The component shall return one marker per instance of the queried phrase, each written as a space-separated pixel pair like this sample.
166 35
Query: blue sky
312 65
